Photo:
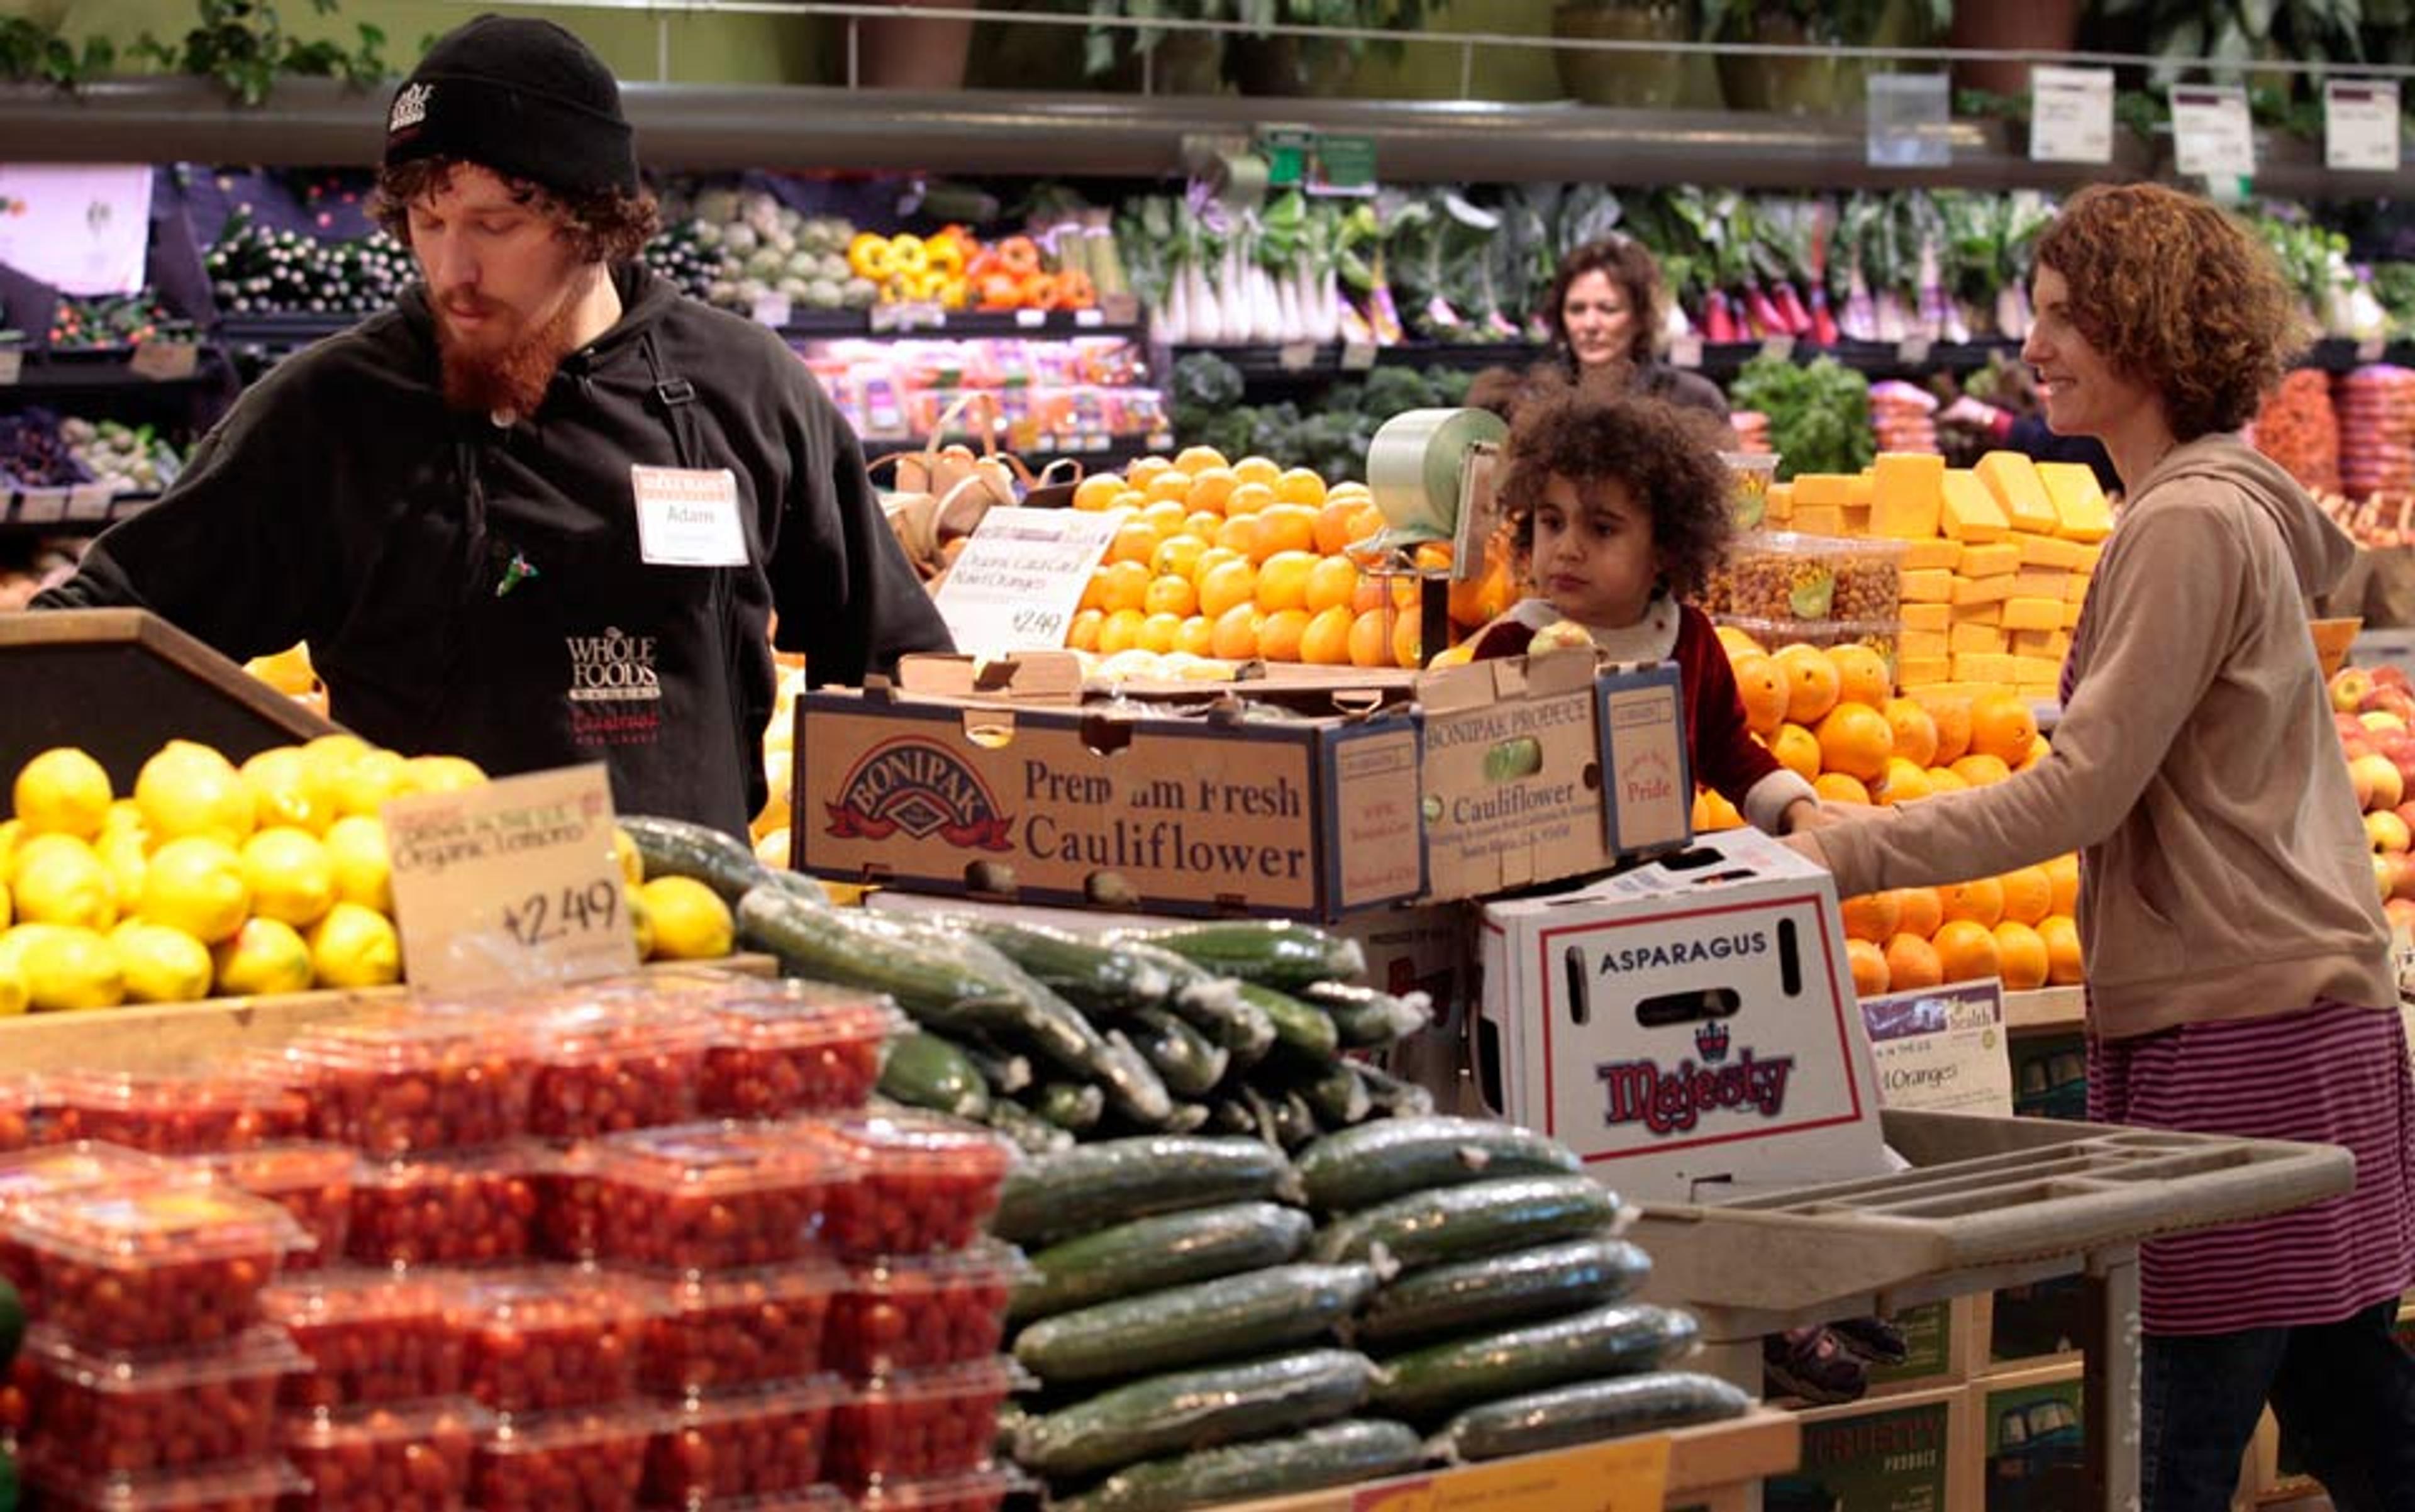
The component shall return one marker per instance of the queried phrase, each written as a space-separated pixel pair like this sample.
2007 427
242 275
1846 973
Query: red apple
2391 675
2349 685
2407 812
2401 913
2387 831
2378 782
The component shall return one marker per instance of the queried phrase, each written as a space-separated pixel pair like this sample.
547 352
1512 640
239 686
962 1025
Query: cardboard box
2032 1443
1947 1341
1686 1027
1906 1453
2045 1321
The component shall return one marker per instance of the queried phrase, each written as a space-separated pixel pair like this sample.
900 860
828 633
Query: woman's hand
1805 845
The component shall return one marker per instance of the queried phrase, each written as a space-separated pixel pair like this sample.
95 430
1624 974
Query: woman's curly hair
1666 455
2177 295
606 227
1626 264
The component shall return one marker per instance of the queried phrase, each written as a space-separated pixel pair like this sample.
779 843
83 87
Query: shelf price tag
1628 1475
771 311
1779 347
1122 309
1089 320
165 361
2360 124
1357 356
41 506
2211 132
1686 350
1911 121
1913 351
1296 356
510 884
2071 114
12 365
88 502
1021 576
1030 319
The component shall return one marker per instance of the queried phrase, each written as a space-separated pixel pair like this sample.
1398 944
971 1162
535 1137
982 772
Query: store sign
2212 135
1911 121
2361 126
1021 577
83 228
1941 1049
514 883
2071 114
1342 165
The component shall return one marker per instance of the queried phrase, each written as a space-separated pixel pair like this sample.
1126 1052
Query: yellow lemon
324 763
690 922
14 996
63 791
368 782
280 790
354 946
356 846
189 789
291 879
60 881
641 922
10 831
7 909
66 968
125 818
261 958
196 885
773 849
162 964
123 852
632 865
442 773
12 947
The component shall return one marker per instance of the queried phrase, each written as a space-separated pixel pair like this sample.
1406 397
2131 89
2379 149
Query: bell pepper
868 256
907 254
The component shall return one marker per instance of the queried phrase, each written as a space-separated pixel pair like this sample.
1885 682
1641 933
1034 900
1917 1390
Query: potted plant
1642 80
1269 63
1812 86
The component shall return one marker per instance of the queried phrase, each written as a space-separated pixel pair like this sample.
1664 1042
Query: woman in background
1604 311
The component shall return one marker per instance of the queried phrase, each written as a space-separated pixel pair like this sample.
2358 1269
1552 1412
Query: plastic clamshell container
579 1459
407 1459
609 1063
795 1047
372 1337
695 1197
974 1490
808 1499
474 1207
154 1266
1784 576
909 1312
536 1339
1880 636
920 1423
256 1486
429 1080
195 1113
921 1182
121 1412
751 1441
18 1105
711 1330
51 1170
309 1178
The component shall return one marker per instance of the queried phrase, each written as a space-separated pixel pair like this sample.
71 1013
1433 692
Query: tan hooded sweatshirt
2224 871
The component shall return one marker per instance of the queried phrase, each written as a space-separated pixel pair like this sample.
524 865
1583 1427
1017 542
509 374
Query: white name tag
687 517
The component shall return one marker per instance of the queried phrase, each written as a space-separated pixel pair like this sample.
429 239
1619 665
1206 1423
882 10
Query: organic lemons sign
511 883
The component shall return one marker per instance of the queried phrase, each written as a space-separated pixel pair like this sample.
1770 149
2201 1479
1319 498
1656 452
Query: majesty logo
924 791
409 105
1674 1101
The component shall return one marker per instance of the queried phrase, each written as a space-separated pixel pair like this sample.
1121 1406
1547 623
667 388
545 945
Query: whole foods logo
612 667
1674 1101
409 105
924 791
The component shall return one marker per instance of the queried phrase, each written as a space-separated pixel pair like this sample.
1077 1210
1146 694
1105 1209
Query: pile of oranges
1831 714
1249 558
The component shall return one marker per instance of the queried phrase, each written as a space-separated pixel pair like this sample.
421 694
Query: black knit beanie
524 98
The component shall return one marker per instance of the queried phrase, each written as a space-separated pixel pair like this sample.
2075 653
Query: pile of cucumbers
12 1334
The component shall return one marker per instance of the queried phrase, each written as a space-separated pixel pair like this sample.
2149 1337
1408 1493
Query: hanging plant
244 45
31 52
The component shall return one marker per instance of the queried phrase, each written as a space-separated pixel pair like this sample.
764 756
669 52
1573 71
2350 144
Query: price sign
771 311
165 361
1910 121
1779 347
2071 114
2213 136
1913 351
1030 319
1089 320
12 364
1685 351
510 884
1296 356
1021 576
2360 124
41 506
88 502
1628 1475
1357 356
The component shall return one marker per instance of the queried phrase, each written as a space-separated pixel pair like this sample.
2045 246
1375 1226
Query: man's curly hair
1667 455
607 226
2177 295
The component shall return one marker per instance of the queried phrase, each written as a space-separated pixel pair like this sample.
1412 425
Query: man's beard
510 380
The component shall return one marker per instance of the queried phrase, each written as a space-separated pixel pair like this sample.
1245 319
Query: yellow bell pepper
907 254
868 256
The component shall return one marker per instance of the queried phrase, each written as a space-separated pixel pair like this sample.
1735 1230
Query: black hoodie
475 589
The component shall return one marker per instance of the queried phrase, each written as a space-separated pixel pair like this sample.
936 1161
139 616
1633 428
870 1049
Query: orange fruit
1210 488
1120 632
2003 727
1166 518
1301 485
1083 634
1158 631
1333 580
1714 811
2036 752
2063 872
1905 781
1912 963
1257 470
1240 535
1966 949
1203 523
1854 739
1094 593
1946 780
1093 493
1433 556
1135 541
1247 499
1196 634
1797 750
1237 632
1283 580
1915 731
1840 788
1130 498
2029 895
1923 910
1366 521
2062 961
1138 472
1953 719
1876 916
1177 556
1370 639
1810 682
1374 591
1981 900
1225 585
2021 956
1333 524
1862 676
1326 642
1286 528
1408 641
1126 584
1193 459
1979 769
1280 636
1209 560
1763 691
1869 964
1170 594
1738 643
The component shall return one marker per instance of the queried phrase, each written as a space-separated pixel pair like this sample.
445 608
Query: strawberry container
695 1197
711 1330
470 1208
580 1460
426 1082
407 1459
50 1169
920 1423
973 1491
537 1338
17 1110
908 1312
255 1486
751 1441
155 1266
922 1182
195 1113
131 1413
612 1062
795 1047
372 1337
310 1180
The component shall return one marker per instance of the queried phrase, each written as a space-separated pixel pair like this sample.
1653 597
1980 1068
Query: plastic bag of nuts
1878 635
1782 576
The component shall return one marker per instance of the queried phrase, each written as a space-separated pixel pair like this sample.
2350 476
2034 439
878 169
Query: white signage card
1911 121
83 227
2212 135
1021 576
688 517
1942 1049
2360 124
2071 114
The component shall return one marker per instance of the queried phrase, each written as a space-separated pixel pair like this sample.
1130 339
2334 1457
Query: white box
1688 1027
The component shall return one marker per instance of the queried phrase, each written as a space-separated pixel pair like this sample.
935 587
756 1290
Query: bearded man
539 512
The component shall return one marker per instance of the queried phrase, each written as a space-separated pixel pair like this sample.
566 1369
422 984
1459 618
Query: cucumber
1100 979
1335 1095
1184 1058
1231 1115
1031 1133
1393 1098
1591 1410
1375 1163
1432 1228
1337 1454
1295 1122
1624 1339
1302 1029
1500 1290
1369 1019
676 847
1209 1002
798 885
1057 1030
1272 952
1076 1107
12 1318
1149 1253
936 984
1005 1072
1088 1188
1187 1409
1233 1316
925 1071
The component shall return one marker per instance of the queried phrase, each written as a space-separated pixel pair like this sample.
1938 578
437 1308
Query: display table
1988 1203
